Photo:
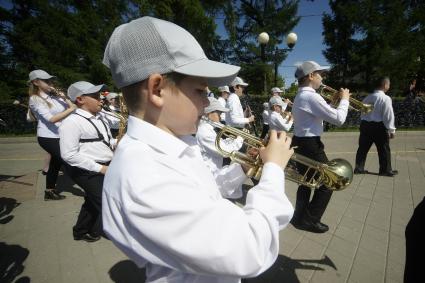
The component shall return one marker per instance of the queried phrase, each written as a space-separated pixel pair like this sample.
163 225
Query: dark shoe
391 173
310 226
52 195
87 237
358 171
44 172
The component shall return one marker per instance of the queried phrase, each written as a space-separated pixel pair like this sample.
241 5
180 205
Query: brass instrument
330 94
122 116
55 91
336 175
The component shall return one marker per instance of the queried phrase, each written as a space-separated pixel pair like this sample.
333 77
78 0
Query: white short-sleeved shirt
382 110
163 208
310 110
235 117
278 123
43 113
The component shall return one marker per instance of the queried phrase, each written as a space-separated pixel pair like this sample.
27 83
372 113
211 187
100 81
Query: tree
370 38
244 21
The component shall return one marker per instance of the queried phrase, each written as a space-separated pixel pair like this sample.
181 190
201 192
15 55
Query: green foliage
370 38
244 21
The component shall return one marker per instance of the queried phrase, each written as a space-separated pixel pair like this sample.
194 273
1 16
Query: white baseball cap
276 100
111 95
39 74
148 45
215 105
238 81
224 88
276 89
308 67
80 88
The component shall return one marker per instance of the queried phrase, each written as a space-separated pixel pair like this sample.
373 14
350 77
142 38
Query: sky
309 45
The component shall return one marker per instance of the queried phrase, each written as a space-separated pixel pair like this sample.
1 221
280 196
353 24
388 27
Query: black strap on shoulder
99 134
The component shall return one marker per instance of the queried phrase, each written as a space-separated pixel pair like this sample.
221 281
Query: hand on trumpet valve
251 118
344 93
278 149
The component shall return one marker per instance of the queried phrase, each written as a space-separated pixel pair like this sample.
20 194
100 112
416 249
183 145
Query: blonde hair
35 90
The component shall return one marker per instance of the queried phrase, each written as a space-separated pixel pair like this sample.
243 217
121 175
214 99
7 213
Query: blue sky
310 40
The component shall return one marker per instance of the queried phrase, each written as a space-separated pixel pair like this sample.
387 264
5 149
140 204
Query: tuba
336 175
331 95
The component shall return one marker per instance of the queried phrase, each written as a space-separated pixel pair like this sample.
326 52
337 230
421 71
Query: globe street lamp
263 39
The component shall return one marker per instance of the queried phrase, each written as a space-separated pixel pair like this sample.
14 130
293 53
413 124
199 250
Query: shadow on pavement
7 205
127 271
283 270
12 258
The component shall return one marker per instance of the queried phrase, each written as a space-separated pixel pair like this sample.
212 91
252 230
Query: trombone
336 175
330 94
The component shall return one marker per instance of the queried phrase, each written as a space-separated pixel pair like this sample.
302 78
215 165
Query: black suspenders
99 134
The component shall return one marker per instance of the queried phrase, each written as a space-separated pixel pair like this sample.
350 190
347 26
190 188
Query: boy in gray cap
309 112
161 204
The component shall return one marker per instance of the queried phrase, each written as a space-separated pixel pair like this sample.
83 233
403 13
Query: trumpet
55 91
336 174
122 116
330 94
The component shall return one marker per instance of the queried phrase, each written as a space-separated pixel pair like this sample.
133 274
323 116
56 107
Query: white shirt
278 123
111 118
84 155
382 110
310 110
43 113
235 117
223 103
266 116
162 207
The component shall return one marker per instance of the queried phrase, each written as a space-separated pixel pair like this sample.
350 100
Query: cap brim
216 73
94 89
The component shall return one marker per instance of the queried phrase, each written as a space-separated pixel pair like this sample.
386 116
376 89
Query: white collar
156 137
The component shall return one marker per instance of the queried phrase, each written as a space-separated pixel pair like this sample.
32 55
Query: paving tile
394 272
335 269
367 267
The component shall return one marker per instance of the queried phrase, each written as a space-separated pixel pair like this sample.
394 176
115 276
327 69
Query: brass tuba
330 94
336 175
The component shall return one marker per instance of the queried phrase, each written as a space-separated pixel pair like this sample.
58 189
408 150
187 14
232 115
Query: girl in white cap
49 108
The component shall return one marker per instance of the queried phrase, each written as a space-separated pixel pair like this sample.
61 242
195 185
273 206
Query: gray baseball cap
308 67
276 100
215 105
39 74
148 45
80 88
238 81
276 89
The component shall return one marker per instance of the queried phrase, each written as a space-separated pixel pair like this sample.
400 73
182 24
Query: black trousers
415 246
90 216
374 133
51 145
313 148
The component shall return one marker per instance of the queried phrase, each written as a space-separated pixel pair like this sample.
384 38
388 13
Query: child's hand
278 150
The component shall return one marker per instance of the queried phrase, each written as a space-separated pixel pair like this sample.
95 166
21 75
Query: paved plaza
365 243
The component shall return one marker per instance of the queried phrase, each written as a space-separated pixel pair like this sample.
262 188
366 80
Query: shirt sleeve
236 112
388 115
326 112
69 140
230 179
40 108
174 223
281 122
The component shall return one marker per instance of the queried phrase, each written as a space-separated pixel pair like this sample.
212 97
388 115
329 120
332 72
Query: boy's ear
155 87
79 100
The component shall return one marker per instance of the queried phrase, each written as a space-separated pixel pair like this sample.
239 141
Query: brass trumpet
330 94
336 175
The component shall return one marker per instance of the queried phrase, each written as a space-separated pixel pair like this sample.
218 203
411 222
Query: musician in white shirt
224 95
236 116
86 146
266 116
49 108
377 127
309 112
161 204
276 120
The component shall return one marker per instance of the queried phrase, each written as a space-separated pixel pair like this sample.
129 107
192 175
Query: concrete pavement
365 242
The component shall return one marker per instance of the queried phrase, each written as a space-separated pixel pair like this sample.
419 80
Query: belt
104 163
